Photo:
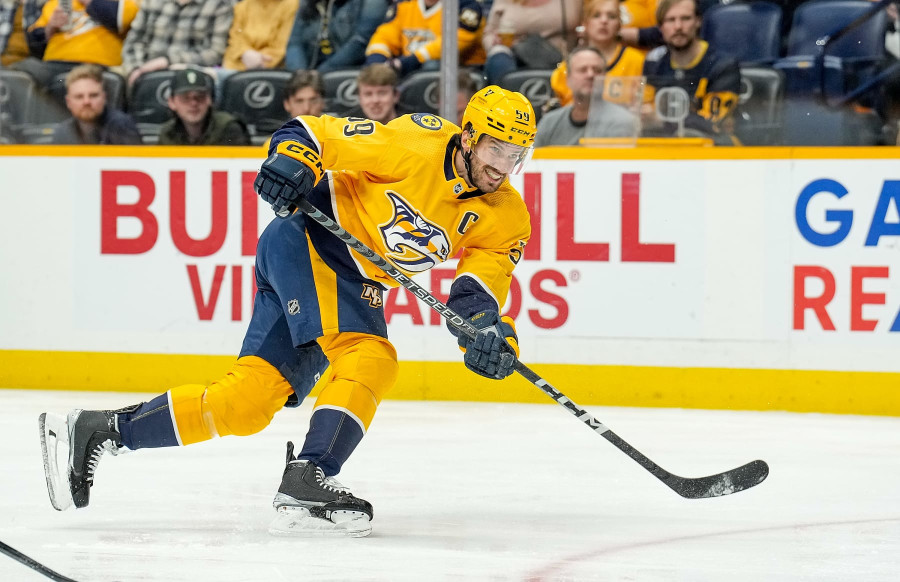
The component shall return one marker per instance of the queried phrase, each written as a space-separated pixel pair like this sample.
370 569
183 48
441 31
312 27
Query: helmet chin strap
467 160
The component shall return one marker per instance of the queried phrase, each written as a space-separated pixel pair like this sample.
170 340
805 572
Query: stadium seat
340 91
421 92
18 98
749 32
26 113
256 98
759 113
534 84
148 105
845 62
809 122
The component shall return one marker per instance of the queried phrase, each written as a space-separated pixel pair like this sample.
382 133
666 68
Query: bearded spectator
92 121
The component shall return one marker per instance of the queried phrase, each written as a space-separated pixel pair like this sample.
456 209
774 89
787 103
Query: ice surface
467 491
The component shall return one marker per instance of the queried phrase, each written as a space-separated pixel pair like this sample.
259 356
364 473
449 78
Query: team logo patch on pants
373 295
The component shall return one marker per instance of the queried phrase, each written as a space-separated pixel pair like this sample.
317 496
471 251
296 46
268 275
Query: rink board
755 278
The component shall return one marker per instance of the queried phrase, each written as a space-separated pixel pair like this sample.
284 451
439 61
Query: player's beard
485 177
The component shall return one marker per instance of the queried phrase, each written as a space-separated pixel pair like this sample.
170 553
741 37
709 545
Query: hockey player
417 190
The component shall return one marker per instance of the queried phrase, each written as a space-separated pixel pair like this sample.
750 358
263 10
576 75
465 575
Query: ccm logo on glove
300 152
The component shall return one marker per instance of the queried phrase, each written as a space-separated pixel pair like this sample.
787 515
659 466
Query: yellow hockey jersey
395 187
92 35
411 28
628 62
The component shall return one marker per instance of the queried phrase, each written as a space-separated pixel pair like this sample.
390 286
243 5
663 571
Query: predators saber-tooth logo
415 244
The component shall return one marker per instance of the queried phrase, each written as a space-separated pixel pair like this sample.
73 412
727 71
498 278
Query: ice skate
309 503
72 447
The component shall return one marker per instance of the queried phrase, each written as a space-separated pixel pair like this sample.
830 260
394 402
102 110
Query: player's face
304 101
378 102
584 66
491 162
85 99
603 23
191 106
680 25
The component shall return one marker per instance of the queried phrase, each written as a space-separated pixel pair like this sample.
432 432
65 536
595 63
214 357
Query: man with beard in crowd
92 122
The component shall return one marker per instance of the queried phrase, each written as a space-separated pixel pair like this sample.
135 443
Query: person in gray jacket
92 121
566 126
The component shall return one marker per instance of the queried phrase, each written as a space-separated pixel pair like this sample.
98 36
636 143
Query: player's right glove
493 351
288 175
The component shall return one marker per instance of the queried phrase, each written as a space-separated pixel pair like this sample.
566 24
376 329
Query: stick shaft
33 564
465 327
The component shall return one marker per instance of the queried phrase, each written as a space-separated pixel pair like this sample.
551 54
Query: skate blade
53 433
297 521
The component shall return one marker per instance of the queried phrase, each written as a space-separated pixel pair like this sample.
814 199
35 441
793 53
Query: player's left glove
493 351
288 175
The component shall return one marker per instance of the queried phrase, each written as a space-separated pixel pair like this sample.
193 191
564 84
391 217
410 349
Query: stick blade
738 479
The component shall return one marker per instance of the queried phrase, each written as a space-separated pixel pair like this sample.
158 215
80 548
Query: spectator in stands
410 39
465 88
68 34
196 121
174 32
566 125
258 35
685 61
16 16
329 35
304 94
379 99
602 22
92 122
646 35
546 28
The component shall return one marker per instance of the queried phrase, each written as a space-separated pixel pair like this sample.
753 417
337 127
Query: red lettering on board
858 297
177 216
111 210
633 250
817 304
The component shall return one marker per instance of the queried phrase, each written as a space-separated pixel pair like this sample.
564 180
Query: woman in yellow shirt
602 22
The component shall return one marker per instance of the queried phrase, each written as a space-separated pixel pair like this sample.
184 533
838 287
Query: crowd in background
622 43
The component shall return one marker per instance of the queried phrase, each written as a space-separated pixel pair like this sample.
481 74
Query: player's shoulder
425 125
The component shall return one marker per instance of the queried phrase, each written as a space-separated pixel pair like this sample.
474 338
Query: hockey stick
33 564
732 481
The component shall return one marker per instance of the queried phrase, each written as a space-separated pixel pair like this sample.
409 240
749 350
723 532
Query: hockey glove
288 175
493 351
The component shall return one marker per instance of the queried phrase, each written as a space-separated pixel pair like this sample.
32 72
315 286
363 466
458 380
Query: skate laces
330 483
107 446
